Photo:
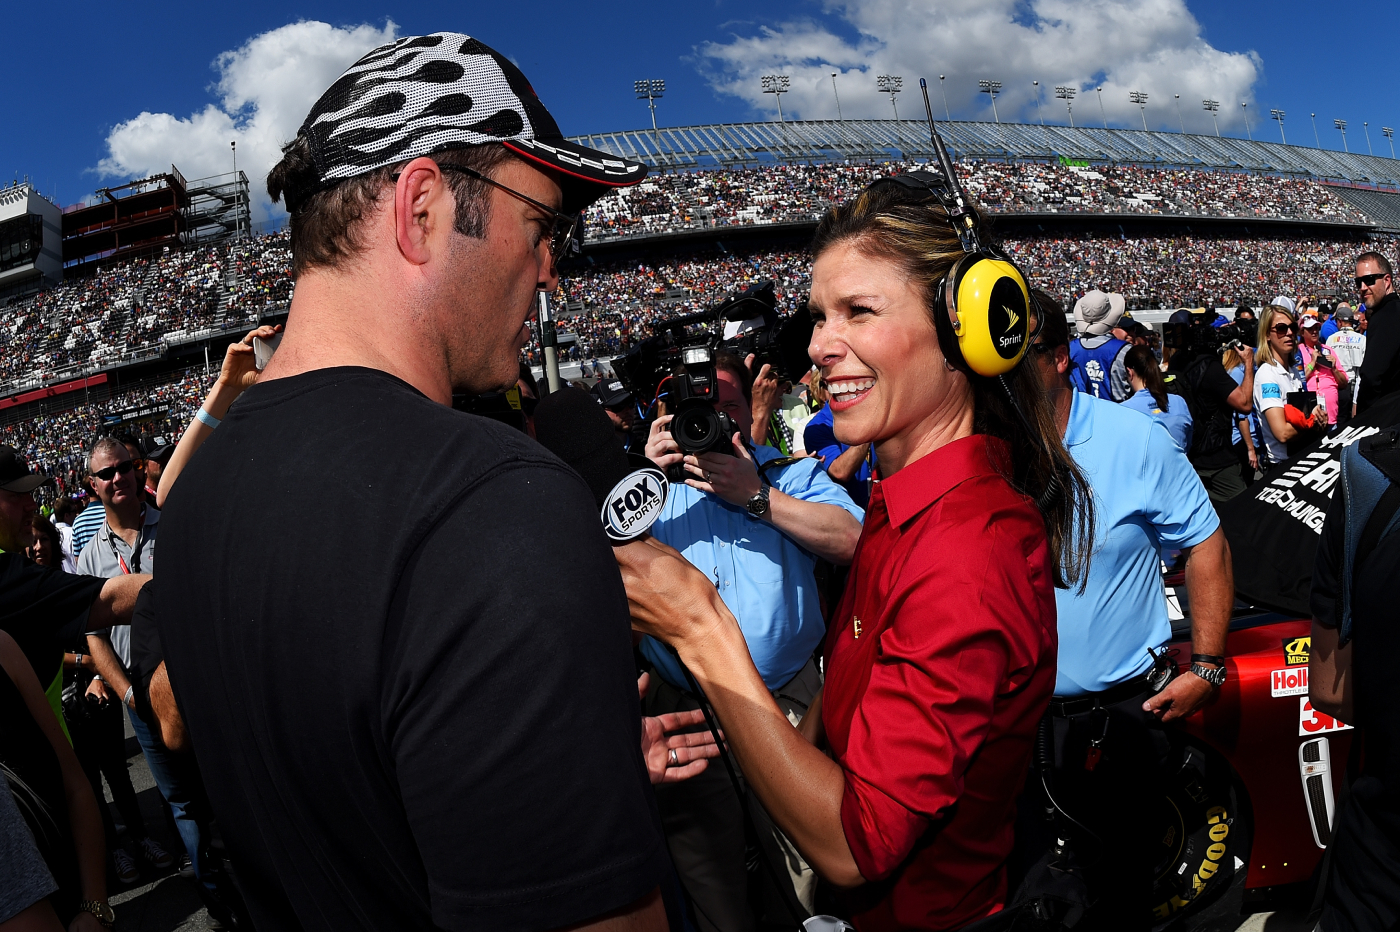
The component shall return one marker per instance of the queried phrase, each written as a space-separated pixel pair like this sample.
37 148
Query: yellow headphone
982 307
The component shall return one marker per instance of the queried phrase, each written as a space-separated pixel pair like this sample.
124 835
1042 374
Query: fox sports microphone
629 489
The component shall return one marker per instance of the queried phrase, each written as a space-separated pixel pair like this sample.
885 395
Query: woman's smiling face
879 356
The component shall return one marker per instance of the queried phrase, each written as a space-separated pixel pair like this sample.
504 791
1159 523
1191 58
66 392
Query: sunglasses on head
111 472
1369 280
1284 330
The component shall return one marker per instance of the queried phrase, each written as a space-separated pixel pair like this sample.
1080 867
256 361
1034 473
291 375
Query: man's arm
116 601
1210 580
1330 683
109 665
162 697
845 466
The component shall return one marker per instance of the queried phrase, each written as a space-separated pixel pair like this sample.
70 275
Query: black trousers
99 741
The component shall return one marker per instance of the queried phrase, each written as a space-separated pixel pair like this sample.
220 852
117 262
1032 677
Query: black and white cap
426 94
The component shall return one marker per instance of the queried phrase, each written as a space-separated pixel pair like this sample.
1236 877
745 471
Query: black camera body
1204 338
698 426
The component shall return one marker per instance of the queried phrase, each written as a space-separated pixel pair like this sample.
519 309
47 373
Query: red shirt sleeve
961 627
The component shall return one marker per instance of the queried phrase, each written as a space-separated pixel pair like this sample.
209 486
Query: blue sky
81 75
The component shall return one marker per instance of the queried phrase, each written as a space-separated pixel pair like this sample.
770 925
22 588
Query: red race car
1247 822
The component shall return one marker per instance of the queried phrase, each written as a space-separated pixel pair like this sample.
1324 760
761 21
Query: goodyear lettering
1219 822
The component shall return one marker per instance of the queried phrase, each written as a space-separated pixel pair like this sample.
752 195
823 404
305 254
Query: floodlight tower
777 85
892 84
946 112
1342 125
1139 98
1389 133
1067 95
1277 114
1366 128
1035 86
1245 108
837 96
650 90
993 88
1212 106
1179 118
1101 113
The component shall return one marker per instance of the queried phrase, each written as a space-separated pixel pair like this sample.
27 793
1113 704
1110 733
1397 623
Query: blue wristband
207 419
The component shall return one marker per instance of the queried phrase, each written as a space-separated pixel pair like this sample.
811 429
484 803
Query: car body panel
1258 733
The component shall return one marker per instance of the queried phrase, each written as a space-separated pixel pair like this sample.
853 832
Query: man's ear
422 203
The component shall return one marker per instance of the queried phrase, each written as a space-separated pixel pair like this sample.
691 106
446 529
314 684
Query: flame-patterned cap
426 94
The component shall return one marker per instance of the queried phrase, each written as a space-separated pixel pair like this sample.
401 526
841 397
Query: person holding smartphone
1321 369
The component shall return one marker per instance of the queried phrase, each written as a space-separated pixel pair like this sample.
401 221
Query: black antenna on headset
962 217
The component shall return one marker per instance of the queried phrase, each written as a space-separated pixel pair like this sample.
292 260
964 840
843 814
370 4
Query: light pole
944 92
1389 133
838 96
1245 107
1316 138
1179 117
1101 113
1067 95
1277 114
890 84
1139 98
1366 128
992 88
1342 125
649 90
777 85
1212 106
1035 85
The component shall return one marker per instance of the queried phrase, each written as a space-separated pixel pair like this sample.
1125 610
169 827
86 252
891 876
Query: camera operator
1099 357
417 709
1215 401
756 527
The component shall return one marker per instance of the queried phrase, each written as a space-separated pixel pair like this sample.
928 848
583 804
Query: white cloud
265 89
1153 46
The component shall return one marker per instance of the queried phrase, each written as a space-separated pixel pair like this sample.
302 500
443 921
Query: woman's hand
239 371
669 598
1253 458
672 758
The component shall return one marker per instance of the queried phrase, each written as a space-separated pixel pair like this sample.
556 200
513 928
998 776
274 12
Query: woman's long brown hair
918 237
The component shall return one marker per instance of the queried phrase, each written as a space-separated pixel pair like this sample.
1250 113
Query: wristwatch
1214 676
100 909
758 505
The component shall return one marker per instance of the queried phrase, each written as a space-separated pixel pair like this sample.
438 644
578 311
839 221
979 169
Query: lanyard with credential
135 551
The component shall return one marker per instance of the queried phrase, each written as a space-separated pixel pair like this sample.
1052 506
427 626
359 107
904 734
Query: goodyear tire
1203 832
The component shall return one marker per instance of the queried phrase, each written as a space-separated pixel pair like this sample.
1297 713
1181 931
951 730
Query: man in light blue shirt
755 522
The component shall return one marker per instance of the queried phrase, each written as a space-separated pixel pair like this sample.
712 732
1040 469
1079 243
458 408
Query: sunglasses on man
562 225
1371 279
111 472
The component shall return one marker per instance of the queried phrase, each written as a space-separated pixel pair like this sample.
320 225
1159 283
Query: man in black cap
622 411
44 608
420 709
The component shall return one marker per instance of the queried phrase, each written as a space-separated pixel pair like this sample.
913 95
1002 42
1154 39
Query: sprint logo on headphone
1005 320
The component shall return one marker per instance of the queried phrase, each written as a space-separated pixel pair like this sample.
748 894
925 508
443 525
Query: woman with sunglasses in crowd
1277 374
940 659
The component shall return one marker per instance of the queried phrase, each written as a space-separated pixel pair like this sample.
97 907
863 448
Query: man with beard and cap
1097 355
419 710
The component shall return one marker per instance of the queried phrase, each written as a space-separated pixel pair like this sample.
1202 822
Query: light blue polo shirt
1147 498
762 574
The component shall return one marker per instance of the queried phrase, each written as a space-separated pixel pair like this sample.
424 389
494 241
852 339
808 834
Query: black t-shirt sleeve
40 603
1217 384
146 652
511 715
1327 565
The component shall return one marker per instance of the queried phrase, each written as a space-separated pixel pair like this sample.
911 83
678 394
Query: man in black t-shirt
1214 401
1380 369
417 709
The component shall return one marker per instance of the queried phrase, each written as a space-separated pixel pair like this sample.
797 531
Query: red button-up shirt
940 663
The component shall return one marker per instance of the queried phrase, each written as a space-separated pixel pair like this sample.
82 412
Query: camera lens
696 429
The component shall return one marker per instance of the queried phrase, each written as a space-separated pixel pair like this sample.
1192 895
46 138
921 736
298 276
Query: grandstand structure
1371 182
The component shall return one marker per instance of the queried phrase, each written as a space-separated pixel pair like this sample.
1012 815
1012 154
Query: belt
1065 706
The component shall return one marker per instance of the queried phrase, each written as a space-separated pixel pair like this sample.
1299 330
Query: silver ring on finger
707 475
675 760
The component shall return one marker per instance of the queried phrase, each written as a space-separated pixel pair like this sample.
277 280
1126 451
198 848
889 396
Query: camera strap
778 463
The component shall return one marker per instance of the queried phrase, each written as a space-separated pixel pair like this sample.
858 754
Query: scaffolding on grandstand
752 144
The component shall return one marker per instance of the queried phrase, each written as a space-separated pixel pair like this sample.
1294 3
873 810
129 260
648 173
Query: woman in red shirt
940 659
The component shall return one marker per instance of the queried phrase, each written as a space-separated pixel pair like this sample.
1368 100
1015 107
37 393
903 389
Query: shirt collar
926 480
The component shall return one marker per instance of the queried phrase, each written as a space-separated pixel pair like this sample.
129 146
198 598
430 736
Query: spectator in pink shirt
1320 367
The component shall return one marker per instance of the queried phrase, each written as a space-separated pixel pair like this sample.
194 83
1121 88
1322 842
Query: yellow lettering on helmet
1219 831
1216 851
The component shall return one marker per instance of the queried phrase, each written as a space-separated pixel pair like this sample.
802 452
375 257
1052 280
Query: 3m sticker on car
1289 682
1312 722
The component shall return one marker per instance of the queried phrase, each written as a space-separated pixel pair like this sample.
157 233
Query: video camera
1196 338
678 366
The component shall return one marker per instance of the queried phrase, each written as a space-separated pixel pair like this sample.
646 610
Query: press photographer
756 523
1213 398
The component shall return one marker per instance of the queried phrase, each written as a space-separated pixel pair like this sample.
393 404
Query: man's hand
767 395
732 478
691 749
661 447
1182 696
98 690
1247 355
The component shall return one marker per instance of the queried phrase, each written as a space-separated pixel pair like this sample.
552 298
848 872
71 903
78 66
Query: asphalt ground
163 901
